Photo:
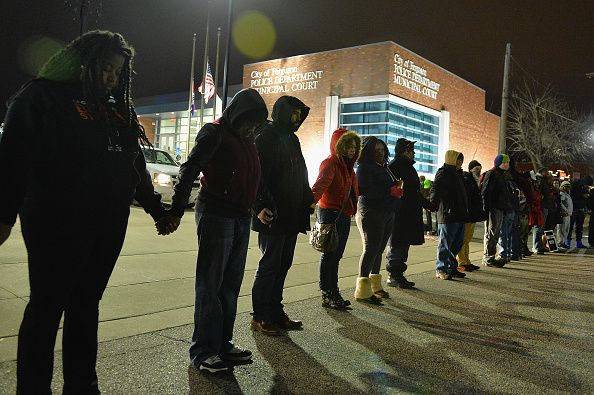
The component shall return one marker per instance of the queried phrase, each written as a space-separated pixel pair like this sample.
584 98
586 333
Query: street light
589 76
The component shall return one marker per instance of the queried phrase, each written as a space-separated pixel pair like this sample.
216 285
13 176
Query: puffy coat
448 192
495 191
336 174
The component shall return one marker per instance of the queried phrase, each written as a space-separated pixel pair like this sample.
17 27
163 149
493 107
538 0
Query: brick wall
149 128
370 70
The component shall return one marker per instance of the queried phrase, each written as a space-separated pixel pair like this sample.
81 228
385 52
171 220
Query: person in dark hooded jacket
76 119
336 190
282 211
408 226
449 194
475 214
226 155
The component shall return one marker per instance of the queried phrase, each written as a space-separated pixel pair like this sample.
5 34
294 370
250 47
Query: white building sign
413 77
284 80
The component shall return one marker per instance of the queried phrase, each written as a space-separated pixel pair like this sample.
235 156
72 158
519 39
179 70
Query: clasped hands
167 224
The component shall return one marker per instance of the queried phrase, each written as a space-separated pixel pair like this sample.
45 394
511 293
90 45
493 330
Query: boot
578 244
333 300
363 292
376 286
398 281
345 302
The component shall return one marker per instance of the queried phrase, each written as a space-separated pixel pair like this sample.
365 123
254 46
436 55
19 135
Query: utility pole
504 100
83 15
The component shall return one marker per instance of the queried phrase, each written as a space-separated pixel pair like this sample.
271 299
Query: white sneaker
213 364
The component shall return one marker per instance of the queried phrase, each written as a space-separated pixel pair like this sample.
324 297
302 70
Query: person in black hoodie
580 193
408 226
282 211
449 194
76 119
226 156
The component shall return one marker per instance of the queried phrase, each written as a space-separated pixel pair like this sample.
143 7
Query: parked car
164 171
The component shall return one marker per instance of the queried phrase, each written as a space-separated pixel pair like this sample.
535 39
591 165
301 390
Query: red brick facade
377 69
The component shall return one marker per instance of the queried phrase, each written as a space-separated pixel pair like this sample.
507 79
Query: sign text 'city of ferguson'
284 80
413 77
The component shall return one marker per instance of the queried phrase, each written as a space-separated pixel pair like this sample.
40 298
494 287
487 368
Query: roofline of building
367 45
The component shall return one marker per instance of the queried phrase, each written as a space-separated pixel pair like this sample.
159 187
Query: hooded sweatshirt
336 174
448 192
285 186
56 157
229 163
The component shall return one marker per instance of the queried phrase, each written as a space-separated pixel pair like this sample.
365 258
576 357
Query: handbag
324 237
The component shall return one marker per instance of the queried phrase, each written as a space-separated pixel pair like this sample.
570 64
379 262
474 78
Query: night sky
552 41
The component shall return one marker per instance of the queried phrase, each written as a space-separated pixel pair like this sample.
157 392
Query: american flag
209 88
193 105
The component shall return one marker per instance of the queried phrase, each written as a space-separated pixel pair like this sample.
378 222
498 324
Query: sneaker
493 263
442 276
465 268
237 354
527 253
374 300
568 243
213 364
457 274
475 267
579 244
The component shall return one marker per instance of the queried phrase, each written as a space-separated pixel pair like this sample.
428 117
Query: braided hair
80 61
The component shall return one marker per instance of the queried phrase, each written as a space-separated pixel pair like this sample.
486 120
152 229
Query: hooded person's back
231 175
448 191
285 184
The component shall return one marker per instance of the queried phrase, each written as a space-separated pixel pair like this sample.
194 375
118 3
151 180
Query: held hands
266 216
396 191
4 232
167 224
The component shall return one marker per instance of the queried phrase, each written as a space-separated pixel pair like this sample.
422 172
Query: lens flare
35 51
254 34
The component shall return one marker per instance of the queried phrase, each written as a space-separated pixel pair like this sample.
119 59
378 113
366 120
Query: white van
164 171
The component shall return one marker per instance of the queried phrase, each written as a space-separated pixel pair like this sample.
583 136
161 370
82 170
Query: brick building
384 90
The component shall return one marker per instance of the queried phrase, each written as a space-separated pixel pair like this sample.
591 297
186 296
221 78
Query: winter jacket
285 186
448 192
408 224
579 193
475 201
495 191
229 163
55 154
566 204
337 174
376 182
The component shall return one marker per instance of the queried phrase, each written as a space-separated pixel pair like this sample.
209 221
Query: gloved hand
396 191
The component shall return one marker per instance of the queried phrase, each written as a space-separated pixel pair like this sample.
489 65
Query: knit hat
427 184
474 163
499 159
565 184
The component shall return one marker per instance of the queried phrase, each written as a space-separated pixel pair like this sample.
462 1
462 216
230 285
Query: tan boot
363 292
376 286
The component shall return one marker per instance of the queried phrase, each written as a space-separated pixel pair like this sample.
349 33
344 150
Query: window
389 120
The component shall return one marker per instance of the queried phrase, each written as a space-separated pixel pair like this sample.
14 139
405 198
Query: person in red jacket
336 192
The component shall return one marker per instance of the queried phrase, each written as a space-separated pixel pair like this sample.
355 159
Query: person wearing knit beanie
500 160
472 164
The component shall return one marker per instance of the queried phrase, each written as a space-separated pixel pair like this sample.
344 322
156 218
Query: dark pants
269 281
397 256
70 261
516 250
222 251
451 238
329 261
375 226
577 221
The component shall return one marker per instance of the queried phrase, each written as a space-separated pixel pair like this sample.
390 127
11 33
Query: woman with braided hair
75 121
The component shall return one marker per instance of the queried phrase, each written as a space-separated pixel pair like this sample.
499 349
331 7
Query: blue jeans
505 237
537 232
276 260
329 260
451 238
222 251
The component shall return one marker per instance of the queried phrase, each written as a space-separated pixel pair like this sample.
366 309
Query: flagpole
227 55
204 67
191 99
216 81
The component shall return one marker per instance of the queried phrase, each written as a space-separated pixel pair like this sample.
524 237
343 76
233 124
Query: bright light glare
254 34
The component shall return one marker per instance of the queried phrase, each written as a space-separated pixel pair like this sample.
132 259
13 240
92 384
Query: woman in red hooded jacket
336 191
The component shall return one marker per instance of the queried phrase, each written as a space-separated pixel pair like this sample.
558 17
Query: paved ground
526 328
